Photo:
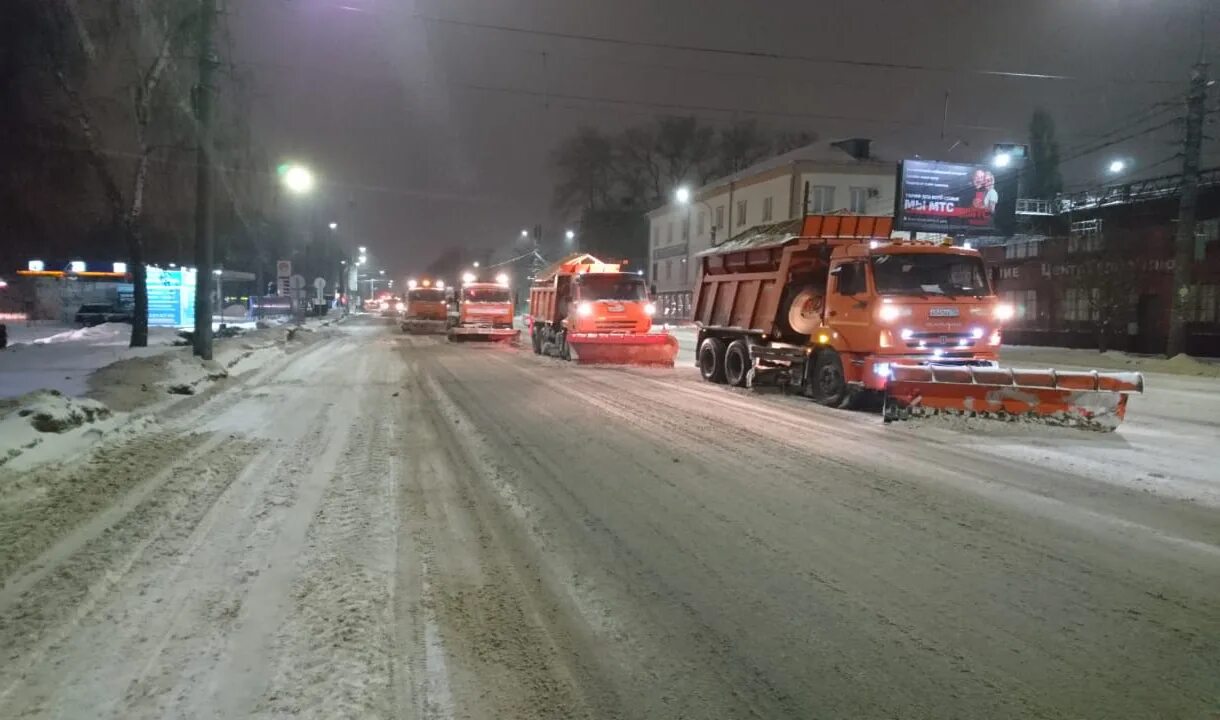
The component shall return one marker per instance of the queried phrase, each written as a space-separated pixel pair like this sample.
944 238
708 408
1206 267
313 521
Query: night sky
430 125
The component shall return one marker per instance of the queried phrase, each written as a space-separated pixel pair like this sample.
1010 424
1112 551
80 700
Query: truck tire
802 309
826 384
536 340
737 363
711 360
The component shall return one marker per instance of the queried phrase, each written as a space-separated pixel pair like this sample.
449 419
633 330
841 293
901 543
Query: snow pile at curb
31 418
106 334
1017 355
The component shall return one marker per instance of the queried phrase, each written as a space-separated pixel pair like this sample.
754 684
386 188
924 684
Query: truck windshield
487 295
929 273
612 287
427 295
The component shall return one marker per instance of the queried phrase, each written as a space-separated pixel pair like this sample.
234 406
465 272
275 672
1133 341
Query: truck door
847 310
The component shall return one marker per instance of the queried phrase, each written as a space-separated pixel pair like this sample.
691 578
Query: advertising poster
953 198
171 297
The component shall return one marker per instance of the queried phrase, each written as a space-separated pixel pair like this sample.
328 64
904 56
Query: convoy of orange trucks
836 308
593 312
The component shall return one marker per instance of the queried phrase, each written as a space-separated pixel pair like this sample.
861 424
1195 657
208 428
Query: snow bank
1112 360
26 422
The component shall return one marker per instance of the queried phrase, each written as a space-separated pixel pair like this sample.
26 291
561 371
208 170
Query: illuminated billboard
954 198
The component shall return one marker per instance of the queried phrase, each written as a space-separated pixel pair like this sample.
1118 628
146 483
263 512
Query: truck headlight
1004 311
650 309
585 309
889 313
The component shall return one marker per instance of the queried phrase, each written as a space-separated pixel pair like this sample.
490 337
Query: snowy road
384 526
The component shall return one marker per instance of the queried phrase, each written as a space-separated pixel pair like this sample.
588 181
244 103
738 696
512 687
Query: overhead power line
767 55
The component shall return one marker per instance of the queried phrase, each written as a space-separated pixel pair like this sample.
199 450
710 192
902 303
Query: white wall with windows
680 232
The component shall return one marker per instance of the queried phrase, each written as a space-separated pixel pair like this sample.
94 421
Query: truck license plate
943 312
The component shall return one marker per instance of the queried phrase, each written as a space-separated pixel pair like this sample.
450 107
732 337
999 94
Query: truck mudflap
645 349
484 332
1086 399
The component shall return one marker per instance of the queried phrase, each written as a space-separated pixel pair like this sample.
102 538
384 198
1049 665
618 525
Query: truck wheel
565 350
737 363
827 386
536 340
802 309
711 360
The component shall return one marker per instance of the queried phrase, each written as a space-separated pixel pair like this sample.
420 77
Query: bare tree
136 44
740 145
584 163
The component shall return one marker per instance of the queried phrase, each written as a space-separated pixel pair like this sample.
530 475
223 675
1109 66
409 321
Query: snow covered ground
64 359
380 525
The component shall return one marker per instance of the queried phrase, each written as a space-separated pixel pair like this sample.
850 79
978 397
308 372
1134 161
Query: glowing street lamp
525 233
1117 166
297 178
682 195
1002 159
334 226
570 235
362 249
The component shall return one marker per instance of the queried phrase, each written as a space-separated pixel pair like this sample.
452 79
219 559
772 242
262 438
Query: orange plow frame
1087 399
646 349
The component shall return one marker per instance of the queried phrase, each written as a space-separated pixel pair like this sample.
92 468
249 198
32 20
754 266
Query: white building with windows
827 177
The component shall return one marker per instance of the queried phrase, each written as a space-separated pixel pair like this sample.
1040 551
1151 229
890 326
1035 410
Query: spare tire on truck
801 310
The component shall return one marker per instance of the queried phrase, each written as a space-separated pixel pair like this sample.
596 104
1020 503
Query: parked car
95 314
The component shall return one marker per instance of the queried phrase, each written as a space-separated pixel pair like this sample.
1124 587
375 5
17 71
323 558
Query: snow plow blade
1089 399
483 334
650 350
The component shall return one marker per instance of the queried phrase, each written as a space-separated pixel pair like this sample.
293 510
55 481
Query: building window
655 277
1019 249
1085 236
821 198
700 221
1206 231
767 203
1077 305
1204 306
741 213
719 217
686 229
858 200
669 269
1026 303
669 232
656 235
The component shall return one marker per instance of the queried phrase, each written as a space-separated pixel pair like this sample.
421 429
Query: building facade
1101 277
822 177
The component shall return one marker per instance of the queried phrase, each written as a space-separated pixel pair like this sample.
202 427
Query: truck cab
906 301
485 310
609 302
425 307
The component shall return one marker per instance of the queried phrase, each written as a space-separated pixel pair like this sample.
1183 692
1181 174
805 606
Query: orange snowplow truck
426 309
835 307
485 311
584 309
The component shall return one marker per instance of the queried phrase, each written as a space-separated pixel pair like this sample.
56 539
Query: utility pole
1184 244
204 95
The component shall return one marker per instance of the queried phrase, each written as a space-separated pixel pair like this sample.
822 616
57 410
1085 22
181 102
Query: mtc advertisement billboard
954 198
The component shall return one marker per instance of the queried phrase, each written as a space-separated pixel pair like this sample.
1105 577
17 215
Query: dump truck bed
742 282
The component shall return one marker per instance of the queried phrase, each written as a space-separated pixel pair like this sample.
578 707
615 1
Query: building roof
826 153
